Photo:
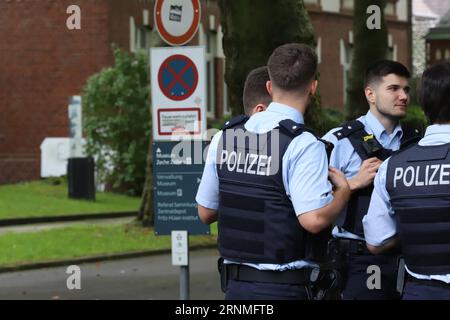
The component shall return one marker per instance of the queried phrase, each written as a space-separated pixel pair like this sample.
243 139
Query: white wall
402 10
331 5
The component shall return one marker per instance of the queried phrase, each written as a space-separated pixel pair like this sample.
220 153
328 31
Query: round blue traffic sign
178 77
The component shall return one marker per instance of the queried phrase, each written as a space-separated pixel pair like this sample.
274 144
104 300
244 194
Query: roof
442 29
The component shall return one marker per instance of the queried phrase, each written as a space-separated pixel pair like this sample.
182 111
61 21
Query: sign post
178 86
177 170
178 93
180 257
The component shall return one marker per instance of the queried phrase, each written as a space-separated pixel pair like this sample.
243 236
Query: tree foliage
369 45
252 30
117 121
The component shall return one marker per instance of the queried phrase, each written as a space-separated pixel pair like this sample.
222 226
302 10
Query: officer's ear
370 95
269 87
258 108
313 87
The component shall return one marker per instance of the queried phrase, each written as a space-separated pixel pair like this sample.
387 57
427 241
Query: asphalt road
147 278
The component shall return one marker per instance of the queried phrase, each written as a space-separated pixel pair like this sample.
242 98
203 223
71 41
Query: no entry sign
178 92
177 21
178 77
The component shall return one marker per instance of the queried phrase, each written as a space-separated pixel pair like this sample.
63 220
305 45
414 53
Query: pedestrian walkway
147 278
57 225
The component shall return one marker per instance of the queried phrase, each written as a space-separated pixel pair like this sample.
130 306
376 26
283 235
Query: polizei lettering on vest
417 176
249 153
249 163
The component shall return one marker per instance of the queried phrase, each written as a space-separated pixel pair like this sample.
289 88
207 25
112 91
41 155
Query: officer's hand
366 174
338 179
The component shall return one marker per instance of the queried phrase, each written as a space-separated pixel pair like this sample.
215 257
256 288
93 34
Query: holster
401 275
328 285
330 282
223 274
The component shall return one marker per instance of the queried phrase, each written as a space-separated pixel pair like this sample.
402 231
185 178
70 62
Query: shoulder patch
411 134
235 121
292 128
348 128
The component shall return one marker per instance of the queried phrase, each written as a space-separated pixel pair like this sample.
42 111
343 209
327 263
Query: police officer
267 195
359 148
411 199
255 97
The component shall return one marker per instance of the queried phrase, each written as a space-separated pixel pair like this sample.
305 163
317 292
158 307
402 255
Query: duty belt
353 246
426 282
245 273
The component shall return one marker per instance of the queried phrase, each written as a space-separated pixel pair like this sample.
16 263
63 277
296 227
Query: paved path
151 278
57 225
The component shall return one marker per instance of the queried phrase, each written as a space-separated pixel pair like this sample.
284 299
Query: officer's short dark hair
381 68
292 66
255 91
434 92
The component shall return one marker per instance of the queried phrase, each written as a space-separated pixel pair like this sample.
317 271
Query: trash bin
80 174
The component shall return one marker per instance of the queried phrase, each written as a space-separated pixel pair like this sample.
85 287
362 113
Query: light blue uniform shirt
379 222
304 171
345 158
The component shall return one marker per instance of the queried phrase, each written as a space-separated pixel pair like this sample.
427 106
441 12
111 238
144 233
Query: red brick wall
332 27
42 63
119 19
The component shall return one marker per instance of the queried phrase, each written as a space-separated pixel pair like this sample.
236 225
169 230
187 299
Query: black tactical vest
418 182
257 222
366 146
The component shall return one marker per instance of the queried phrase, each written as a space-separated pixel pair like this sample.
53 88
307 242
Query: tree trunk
369 46
252 30
145 213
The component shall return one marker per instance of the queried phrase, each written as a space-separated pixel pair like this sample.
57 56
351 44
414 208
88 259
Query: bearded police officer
265 181
411 199
359 148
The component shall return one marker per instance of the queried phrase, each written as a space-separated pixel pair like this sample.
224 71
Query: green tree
117 121
252 30
369 45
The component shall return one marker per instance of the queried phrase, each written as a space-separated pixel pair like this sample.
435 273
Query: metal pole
184 282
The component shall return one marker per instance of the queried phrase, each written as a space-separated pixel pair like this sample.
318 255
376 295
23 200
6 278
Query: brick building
43 63
426 15
438 41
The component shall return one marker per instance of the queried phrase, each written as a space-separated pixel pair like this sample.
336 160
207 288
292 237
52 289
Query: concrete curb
101 258
77 217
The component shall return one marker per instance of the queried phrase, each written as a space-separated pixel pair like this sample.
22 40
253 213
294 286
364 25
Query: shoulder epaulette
411 135
235 121
348 128
293 128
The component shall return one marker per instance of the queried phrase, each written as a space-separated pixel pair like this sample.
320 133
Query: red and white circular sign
177 21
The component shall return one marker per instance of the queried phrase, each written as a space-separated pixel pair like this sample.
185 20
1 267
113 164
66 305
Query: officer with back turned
266 182
410 204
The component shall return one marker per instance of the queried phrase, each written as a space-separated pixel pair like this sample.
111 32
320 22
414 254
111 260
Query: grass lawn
84 240
41 198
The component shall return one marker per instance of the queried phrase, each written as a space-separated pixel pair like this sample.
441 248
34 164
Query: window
143 38
346 56
389 10
208 39
348 4
438 54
